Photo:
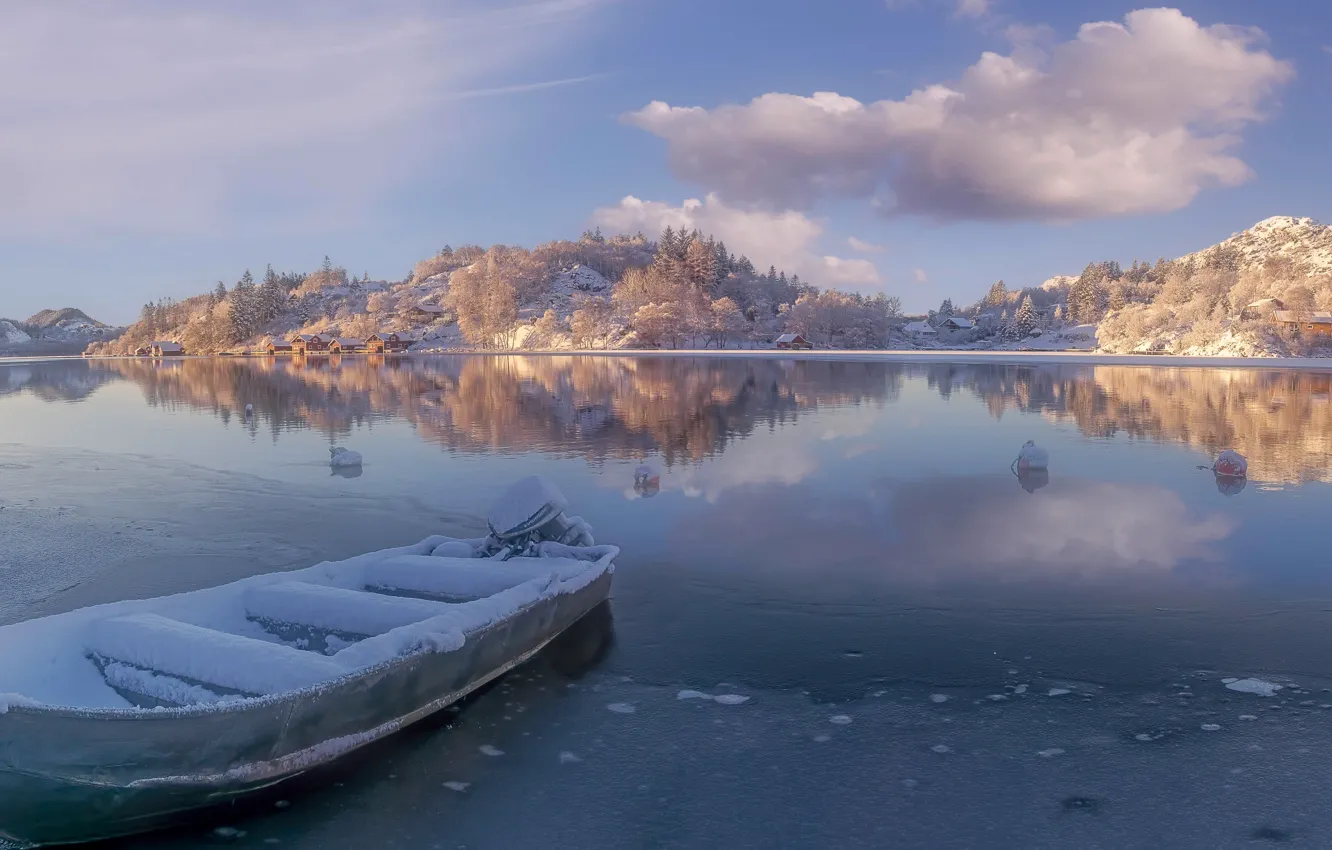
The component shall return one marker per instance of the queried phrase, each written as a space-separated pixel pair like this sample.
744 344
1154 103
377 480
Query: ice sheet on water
1050 753
622 708
1259 687
1211 727
731 699
1058 692
457 786
840 719
567 757
941 749
687 694
489 750
938 698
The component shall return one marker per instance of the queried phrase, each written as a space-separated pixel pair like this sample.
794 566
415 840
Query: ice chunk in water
458 786
621 708
693 695
487 749
731 699
940 698
840 719
1254 686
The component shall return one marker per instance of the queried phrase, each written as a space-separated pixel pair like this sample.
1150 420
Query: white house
919 329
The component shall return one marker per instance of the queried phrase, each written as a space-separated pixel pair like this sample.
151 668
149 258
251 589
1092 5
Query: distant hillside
682 290
48 318
53 332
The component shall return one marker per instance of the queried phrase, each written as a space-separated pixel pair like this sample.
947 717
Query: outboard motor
531 511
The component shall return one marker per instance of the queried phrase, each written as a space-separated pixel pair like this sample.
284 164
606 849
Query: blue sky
152 149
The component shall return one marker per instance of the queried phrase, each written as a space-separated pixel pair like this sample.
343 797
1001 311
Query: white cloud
788 240
863 246
921 276
155 116
1123 119
973 8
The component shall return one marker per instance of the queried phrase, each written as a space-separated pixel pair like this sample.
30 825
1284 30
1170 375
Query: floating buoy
647 481
1032 456
340 458
1231 464
1033 479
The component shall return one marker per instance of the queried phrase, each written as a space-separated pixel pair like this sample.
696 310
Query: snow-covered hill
53 332
1305 243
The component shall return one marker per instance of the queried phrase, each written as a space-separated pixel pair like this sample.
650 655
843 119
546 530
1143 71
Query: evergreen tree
1025 320
667 244
1059 314
725 262
245 307
326 268
946 309
220 293
772 274
998 295
700 265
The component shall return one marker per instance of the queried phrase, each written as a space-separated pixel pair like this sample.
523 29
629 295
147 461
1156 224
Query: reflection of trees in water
1280 421
684 408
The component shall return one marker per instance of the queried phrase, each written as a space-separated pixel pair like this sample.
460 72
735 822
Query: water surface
821 531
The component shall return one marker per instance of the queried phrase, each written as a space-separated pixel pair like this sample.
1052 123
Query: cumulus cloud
863 246
162 116
788 239
1123 119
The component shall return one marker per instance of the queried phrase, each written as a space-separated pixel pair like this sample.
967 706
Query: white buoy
1231 464
340 458
1032 456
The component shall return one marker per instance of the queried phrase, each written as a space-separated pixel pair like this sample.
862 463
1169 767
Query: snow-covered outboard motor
529 513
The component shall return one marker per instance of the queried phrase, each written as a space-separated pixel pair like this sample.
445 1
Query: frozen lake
934 652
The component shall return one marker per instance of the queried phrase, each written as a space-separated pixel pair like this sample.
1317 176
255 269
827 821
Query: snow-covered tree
1025 320
701 265
997 296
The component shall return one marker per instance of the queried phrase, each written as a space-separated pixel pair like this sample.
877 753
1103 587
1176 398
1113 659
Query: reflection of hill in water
51 380
1280 420
685 408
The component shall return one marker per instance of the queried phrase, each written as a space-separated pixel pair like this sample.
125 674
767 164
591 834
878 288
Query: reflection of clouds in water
970 527
848 424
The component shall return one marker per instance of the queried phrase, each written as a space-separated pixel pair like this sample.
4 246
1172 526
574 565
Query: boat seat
335 609
154 642
462 578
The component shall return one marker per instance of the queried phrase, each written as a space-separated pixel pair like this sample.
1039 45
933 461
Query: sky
925 148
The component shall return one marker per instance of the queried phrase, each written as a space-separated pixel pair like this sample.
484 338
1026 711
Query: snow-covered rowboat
121 718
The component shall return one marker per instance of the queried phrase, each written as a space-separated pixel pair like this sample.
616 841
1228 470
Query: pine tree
1025 320
666 246
725 262
1059 314
998 295
772 274
946 309
326 268
701 265
220 293
244 307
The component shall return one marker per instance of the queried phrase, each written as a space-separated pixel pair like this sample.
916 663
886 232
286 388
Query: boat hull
116 773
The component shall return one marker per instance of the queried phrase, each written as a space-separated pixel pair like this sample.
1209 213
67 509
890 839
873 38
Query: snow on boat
121 718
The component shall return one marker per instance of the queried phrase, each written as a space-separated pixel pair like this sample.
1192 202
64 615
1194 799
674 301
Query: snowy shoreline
1086 358
964 356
